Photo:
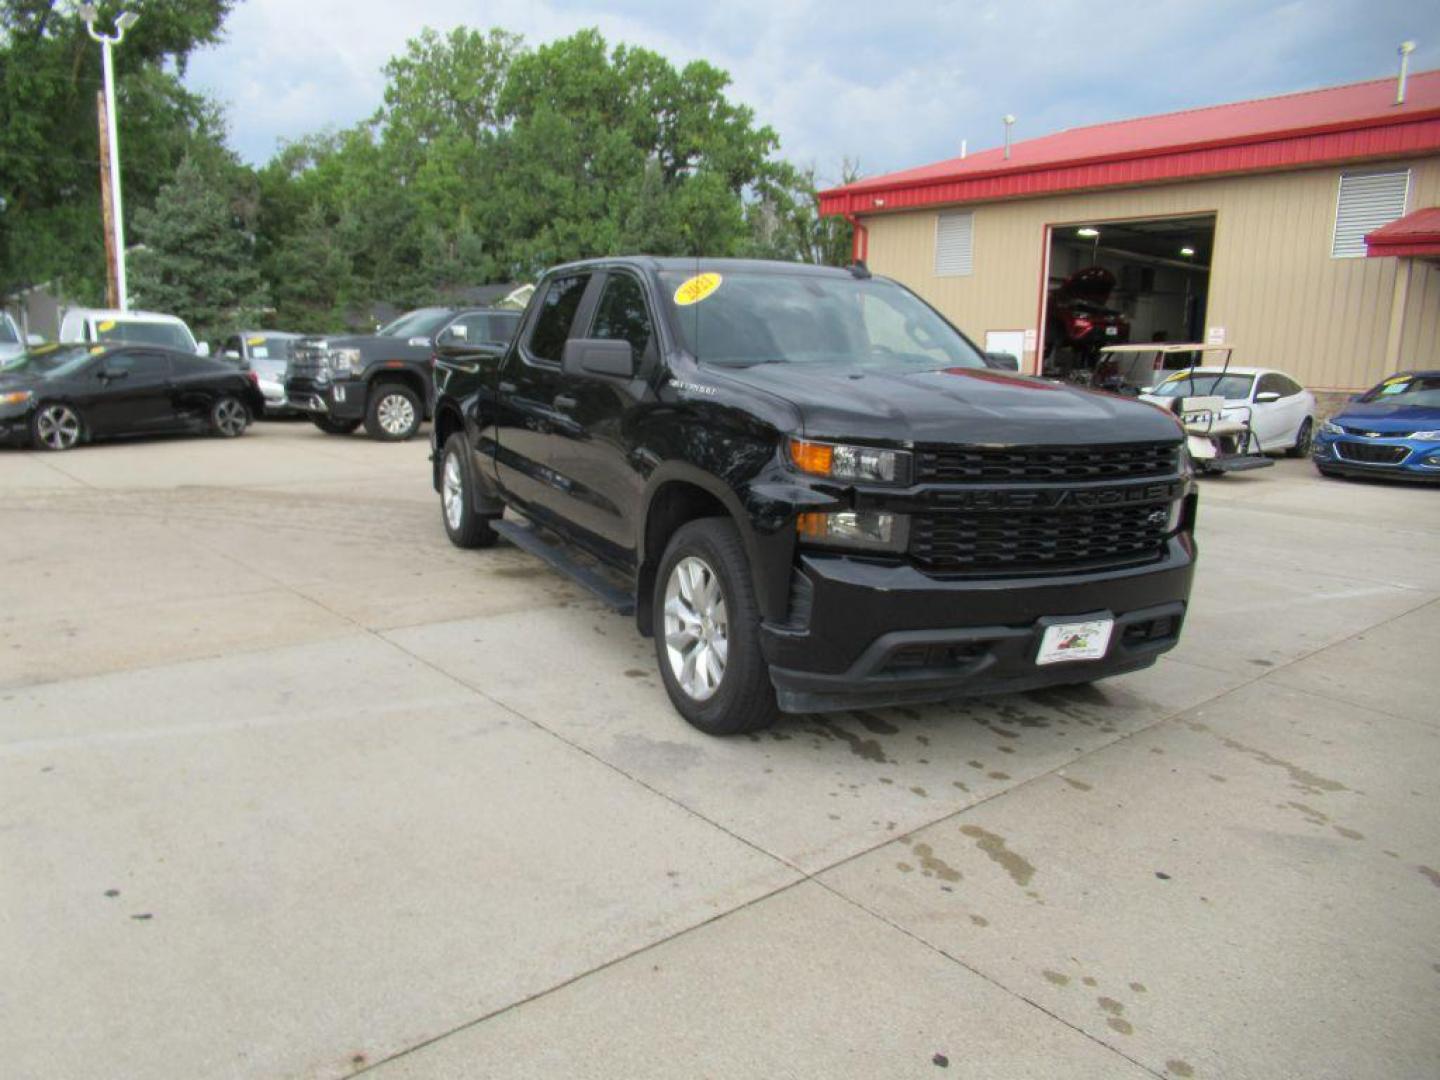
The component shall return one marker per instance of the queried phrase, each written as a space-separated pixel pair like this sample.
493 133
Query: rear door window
556 316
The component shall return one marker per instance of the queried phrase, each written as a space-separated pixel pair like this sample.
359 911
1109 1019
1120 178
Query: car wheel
331 426
55 427
707 631
466 527
393 414
229 417
1303 439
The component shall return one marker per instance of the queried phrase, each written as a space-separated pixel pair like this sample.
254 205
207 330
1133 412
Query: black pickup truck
814 494
383 380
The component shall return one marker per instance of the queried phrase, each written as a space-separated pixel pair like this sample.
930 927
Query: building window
954 241
1366 202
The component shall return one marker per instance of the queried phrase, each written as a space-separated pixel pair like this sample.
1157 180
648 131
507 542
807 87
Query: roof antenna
1406 48
1009 123
859 270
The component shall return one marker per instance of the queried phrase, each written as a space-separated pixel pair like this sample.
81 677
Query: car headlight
345 362
866 464
15 397
873 530
1332 428
1428 435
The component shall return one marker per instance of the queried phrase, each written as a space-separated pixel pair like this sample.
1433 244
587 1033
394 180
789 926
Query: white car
1280 411
105 325
12 342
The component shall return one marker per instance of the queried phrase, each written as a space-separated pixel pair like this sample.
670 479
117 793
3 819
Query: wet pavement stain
979 920
940 1060
998 775
1056 977
1349 834
904 868
1110 1005
1139 988
1179 1068
868 749
1124 1027
961 785
873 724
1301 778
1219 779
919 791
1088 980
1078 785
635 673
930 866
1432 876
1017 866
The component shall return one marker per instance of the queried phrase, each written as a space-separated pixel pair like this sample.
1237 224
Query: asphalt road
290 787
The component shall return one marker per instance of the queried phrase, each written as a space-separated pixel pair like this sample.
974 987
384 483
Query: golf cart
1219 435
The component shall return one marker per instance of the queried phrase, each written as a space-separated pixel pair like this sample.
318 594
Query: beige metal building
1243 224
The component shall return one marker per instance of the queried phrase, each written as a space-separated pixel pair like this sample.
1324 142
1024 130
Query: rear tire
466 526
331 426
1303 438
229 417
393 414
707 631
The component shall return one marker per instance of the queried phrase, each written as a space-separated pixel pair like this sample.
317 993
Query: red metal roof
1417 233
1340 123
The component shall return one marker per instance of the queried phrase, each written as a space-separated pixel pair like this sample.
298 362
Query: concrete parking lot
289 787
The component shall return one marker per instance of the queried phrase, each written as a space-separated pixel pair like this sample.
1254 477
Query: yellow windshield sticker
1397 379
696 289
97 350
106 326
255 340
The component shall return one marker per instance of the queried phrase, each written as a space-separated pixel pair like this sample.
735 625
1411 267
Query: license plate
1075 641
1112 331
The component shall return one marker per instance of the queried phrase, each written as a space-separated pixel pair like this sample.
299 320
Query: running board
526 539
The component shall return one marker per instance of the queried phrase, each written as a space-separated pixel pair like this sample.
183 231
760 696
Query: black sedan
54 397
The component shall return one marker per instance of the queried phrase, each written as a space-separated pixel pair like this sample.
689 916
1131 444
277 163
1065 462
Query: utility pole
113 289
110 153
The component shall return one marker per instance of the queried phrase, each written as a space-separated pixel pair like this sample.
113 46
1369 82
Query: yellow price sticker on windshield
106 326
696 289
97 350
255 341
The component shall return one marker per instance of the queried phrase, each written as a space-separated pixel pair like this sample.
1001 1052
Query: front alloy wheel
56 427
697 632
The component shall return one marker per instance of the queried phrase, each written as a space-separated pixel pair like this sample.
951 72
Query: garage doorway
1109 282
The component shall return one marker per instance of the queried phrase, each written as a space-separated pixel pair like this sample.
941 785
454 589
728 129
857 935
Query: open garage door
1112 282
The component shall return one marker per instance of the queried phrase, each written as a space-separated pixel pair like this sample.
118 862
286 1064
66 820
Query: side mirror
34 339
599 356
1266 396
203 348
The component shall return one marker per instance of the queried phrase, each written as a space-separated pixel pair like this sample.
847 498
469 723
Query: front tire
1303 438
55 427
393 414
229 417
466 527
331 426
707 631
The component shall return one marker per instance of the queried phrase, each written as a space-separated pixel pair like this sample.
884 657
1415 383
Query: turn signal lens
15 397
876 530
814 458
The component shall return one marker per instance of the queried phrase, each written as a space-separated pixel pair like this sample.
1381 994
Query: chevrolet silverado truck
383 380
811 491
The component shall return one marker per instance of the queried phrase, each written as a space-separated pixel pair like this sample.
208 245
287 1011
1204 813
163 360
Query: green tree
49 162
198 260
785 223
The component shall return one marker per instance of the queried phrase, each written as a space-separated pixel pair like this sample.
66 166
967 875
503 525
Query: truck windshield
425 322
740 318
170 335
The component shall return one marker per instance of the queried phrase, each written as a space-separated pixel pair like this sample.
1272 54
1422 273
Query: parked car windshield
1407 390
1207 384
426 322
740 318
8 334
170 335
48 361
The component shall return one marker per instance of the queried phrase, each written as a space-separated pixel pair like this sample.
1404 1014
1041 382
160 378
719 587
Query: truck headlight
872 530
865 464
345 362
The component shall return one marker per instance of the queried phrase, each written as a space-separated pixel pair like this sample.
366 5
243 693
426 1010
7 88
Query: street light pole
122 23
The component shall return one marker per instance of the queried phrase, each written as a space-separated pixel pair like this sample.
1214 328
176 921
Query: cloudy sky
892 84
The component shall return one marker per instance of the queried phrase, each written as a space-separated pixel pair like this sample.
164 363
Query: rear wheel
707 631
393 414
466 527
1303 438
229 417
55 427
331 426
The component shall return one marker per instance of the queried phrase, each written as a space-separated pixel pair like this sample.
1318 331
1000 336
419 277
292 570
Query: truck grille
1371 453
1039 543
1037 464
307 360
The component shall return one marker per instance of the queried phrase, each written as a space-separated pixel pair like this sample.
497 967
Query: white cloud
895 86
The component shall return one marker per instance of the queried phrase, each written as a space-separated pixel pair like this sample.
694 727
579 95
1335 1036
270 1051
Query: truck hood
955 405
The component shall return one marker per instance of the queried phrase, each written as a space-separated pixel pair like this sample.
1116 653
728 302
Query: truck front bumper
877 634
342 400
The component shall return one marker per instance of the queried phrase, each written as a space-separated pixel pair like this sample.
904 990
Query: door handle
564 401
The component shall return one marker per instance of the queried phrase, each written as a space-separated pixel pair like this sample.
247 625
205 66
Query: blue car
1392 429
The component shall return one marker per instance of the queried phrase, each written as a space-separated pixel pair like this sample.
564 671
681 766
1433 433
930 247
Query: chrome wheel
57 427
396 414
452 492
696 628
230 417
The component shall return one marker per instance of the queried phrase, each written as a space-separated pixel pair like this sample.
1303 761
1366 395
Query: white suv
103 325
